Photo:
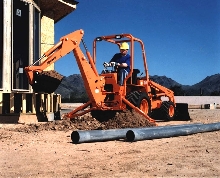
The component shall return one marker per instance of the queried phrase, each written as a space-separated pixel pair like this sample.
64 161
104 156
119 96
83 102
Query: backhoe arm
66 45
48 81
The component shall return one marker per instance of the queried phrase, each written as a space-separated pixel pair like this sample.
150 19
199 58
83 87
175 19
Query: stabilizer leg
74 113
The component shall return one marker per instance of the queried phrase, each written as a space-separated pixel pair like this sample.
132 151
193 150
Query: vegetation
178 91
215 93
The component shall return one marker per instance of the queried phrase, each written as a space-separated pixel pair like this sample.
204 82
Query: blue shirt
122 59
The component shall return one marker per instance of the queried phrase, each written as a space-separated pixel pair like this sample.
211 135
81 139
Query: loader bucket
182 112
46 81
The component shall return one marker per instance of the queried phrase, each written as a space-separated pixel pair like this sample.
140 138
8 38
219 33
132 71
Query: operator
121 62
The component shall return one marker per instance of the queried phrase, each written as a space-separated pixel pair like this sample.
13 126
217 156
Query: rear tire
140 100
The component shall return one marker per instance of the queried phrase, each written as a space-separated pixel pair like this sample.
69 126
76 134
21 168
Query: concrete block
50 116
28 119
210 106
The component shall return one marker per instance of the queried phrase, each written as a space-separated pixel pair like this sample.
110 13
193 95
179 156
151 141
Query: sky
181 37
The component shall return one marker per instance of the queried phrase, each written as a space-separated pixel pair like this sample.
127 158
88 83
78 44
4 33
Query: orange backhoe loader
106 96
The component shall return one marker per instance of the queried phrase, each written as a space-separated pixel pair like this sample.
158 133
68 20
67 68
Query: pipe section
81 136
169 131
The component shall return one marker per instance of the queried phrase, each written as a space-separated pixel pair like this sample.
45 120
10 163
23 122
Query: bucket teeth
46 81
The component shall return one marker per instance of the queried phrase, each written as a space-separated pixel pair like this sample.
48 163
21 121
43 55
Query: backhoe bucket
46 81
182 112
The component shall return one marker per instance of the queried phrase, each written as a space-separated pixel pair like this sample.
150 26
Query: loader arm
163 91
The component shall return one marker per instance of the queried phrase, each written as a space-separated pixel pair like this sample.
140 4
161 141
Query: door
20 54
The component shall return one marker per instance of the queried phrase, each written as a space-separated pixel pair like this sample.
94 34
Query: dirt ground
46 150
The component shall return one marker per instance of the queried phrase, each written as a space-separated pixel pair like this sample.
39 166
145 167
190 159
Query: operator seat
133 78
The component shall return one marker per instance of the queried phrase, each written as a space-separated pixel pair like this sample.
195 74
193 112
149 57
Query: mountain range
73 86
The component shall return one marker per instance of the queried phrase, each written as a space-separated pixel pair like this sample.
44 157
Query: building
26 31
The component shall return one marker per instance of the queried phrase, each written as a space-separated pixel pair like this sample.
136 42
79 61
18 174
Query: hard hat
124 45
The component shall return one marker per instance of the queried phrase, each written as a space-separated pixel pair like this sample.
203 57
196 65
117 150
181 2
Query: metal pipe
81 136
170 131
